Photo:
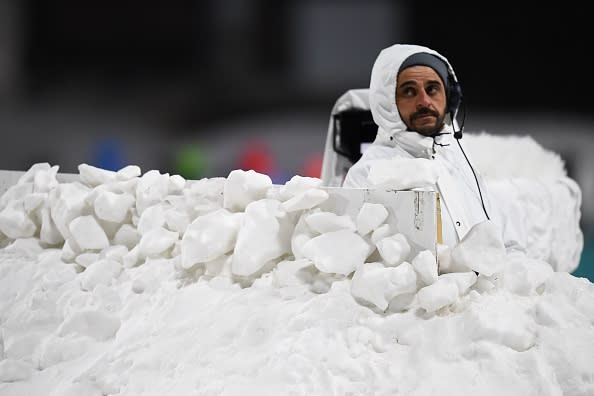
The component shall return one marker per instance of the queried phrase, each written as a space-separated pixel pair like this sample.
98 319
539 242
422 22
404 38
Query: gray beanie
430 60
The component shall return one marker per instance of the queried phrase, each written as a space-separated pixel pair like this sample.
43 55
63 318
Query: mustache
424 111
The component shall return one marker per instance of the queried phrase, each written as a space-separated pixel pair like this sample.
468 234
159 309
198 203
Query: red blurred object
257 156
312 167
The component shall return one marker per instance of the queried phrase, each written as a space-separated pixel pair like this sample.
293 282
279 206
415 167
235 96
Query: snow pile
523 157
531 193
240 227
149 284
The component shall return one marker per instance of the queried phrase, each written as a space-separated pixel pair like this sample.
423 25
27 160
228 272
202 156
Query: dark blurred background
200 88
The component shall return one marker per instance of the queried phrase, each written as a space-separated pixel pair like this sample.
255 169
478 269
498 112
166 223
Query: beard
427 122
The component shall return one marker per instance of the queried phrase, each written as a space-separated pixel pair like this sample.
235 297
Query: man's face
421 99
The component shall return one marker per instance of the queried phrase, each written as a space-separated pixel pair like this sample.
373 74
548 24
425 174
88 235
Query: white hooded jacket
461 199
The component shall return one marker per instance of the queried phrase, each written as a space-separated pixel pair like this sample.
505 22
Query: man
414 96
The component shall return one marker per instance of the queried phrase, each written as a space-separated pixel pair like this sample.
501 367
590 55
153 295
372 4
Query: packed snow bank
149 284
513 157
532 196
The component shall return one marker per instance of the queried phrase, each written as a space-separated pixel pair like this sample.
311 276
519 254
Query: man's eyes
432 89
409 92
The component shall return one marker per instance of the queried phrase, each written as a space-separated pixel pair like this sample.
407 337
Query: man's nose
424 100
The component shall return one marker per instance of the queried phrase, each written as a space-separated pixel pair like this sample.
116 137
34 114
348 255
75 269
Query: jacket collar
414 143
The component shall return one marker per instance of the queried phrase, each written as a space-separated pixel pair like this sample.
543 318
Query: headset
454 101
454 94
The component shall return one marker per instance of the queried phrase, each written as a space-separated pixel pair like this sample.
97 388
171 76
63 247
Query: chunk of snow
306 200
209 237
425 266
337 252
370 217
243 187
298 185
438 295
481 249
15 223
93 176
264 236
112 206
377 284
322 222
394 249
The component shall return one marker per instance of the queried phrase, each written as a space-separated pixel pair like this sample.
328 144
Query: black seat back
352 128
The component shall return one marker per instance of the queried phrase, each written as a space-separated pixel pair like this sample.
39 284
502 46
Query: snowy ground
148 284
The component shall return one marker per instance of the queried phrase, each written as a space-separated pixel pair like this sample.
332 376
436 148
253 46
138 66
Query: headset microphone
458 133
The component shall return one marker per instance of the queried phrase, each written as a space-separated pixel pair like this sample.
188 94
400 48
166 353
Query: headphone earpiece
454 96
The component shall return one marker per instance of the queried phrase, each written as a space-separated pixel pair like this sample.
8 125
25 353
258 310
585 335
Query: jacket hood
382 95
